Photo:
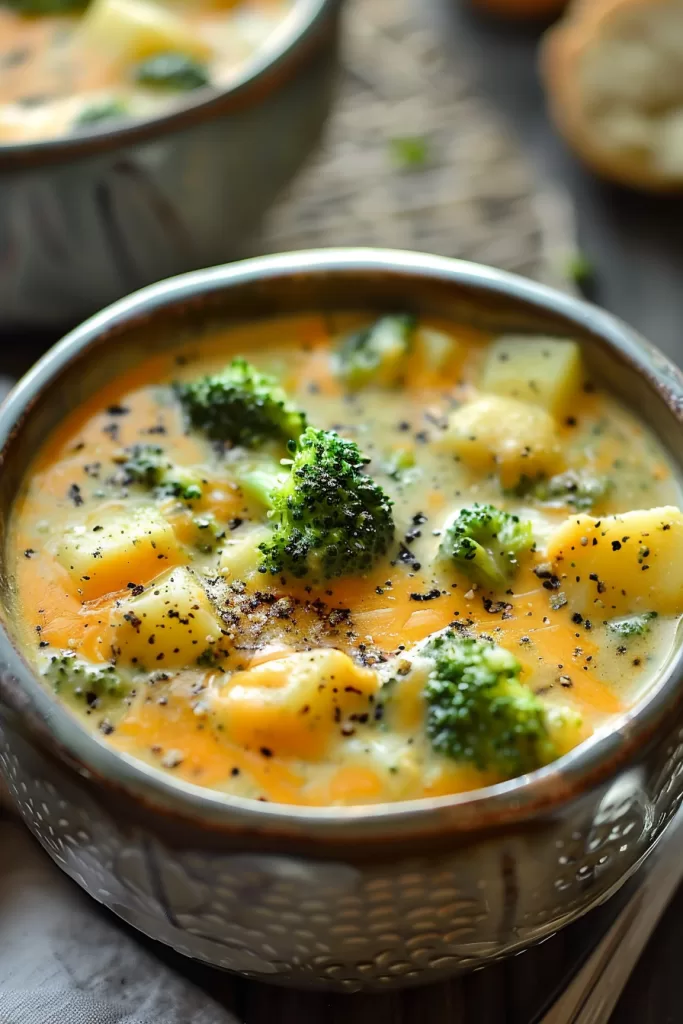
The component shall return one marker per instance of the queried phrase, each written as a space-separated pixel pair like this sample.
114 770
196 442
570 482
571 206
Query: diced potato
436 348
116 547
133 30
240 554
169 625
294 706
621 565
545 371
505 436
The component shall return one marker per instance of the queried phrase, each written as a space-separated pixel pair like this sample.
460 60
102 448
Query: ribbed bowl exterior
345 924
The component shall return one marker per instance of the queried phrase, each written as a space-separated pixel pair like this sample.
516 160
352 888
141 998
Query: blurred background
421 124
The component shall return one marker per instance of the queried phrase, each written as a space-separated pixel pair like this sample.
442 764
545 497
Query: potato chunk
544 371
132 30
503 435
170 625
294 706
116 547
240 556
621 565
436 349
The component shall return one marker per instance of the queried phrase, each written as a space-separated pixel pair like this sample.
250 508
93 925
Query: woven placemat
414 158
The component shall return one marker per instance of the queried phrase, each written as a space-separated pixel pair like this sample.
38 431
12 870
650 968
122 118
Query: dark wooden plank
653 994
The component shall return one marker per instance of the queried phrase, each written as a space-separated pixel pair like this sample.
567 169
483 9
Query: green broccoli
479 711
148 464
242 406
96 685
485 543
258 479
578 489
400 465
173 71
376 354
329 518
634 625
102 110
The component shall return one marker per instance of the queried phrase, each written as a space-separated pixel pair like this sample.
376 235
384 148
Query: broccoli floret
148 464
485 544
578 489
173 71
376 354
634 625
479 711
329 518
242 406
96 685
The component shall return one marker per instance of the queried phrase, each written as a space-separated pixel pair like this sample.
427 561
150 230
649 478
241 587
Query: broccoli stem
258 482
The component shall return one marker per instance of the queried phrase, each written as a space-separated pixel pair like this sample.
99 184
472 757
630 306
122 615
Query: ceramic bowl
344 898
90 217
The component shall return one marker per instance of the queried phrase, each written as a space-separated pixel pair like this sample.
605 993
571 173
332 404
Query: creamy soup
69 65
382 559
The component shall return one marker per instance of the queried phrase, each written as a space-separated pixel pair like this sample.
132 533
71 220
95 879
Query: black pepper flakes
75 495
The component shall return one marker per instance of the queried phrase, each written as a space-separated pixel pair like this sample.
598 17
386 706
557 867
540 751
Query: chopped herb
173 71
409 152
102 110
634 625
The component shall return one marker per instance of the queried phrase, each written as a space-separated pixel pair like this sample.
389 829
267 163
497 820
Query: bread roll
614 75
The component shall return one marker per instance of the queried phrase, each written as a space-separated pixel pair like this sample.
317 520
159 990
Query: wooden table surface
635 244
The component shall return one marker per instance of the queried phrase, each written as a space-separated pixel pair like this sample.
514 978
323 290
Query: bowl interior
351 280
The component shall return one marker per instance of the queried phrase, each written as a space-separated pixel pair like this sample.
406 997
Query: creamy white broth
194 720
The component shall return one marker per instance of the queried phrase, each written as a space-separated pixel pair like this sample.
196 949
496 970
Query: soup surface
67 65
384 559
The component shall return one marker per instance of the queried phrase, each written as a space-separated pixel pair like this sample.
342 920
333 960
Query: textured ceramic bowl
355 897
90 217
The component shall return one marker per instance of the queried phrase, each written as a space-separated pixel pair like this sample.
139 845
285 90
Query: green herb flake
634 625
409 152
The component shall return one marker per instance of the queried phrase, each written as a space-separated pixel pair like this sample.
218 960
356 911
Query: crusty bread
614 76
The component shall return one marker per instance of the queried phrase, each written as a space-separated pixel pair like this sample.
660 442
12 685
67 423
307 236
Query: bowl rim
516 800
264 69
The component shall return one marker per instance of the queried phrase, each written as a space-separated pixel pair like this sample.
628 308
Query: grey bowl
93 216
350 898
